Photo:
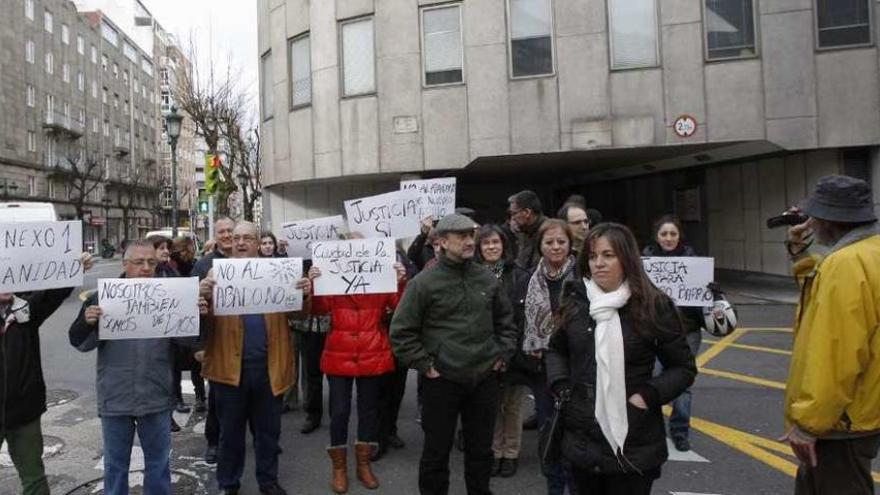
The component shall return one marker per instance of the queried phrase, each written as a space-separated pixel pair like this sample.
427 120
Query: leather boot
339 477
362 452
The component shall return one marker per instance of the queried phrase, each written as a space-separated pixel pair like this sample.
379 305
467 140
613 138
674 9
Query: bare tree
244 155
82 176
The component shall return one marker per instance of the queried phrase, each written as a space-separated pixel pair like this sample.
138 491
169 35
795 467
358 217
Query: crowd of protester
559 309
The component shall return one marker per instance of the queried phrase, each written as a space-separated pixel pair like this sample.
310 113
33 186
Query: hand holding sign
685 279
140 308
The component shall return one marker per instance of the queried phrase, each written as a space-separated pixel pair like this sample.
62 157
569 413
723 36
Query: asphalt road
737 414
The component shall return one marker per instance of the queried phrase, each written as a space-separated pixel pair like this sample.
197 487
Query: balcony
121 149
60 124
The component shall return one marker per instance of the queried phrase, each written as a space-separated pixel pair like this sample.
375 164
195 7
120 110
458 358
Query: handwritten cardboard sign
436 196
40 255
302 233
684 279
394 214
148 308
248 286
360 266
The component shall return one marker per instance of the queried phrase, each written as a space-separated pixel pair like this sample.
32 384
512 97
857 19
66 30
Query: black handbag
550 435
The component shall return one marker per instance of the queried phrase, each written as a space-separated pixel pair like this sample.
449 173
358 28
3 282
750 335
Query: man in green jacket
455 326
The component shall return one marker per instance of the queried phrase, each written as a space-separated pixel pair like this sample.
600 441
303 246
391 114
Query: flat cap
455 223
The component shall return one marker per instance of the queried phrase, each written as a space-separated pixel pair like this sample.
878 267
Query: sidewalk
757 288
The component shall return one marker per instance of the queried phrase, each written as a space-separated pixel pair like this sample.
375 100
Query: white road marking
691 493
689 456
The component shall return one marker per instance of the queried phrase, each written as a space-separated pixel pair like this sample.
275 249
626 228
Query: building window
531 37
104 95
51 184
115 70
730 29
106 128
65 34
130 51
110 34
31 96
843 22
441 45
80 81
94 55
48 22
65 73
265 85
633 33
358 58
125 77
80 44
50 63
300 71
32 185
31 141
94 89
105 62
81 117
29 9
29 51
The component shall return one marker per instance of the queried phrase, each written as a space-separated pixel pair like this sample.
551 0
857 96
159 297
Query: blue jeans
251 403
154 432
680 420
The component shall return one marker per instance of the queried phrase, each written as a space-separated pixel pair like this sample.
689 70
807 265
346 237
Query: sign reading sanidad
40 255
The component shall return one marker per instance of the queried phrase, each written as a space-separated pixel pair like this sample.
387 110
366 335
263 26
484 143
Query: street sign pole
210 216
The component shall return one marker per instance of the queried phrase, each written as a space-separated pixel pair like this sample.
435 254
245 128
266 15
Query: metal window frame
301 36
423 46
509 23
816 29
657 40
756 28
339 43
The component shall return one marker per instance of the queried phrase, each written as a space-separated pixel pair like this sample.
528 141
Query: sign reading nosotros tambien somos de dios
301 234
360 266
40 255
257 285
144 308
684 279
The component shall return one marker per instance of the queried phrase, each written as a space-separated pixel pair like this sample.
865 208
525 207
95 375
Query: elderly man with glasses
134 385
249 362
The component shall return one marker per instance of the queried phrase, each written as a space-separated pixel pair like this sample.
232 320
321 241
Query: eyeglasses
245 238
148 263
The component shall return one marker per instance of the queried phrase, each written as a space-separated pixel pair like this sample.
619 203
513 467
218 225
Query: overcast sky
228 26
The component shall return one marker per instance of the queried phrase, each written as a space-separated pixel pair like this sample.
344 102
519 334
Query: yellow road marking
743 378
747 347
719 347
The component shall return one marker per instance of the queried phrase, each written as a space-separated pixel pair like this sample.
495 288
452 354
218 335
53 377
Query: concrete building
723 111
78 126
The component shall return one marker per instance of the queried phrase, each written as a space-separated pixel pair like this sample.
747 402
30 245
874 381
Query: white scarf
610 376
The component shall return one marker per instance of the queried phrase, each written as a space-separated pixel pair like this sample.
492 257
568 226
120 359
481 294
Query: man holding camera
832 397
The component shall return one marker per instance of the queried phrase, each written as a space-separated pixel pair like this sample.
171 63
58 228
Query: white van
27 212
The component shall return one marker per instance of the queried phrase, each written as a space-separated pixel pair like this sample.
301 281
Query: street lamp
173 122
106 202
243 178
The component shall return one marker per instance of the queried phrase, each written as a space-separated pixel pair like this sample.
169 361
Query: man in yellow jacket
832 397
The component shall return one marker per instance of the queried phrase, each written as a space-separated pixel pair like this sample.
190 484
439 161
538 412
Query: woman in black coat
494 251
669 241
613 326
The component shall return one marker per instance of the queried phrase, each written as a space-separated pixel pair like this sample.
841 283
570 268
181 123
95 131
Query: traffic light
203 206
212 173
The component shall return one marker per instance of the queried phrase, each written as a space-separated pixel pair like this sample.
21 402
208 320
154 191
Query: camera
786 220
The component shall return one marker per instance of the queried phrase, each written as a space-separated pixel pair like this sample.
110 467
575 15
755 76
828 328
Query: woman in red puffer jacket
357 350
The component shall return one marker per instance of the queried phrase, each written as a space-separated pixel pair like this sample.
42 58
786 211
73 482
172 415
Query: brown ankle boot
362 452
339 477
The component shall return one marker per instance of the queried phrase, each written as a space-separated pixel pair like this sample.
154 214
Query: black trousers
212 424
198 382
367 407
443 403
844 468
390 398
312 382
587 482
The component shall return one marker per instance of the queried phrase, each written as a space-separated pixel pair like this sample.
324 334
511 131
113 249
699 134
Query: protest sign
257 285
40 255
684 279
394 214
301 234
436 196
359 266
148 308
